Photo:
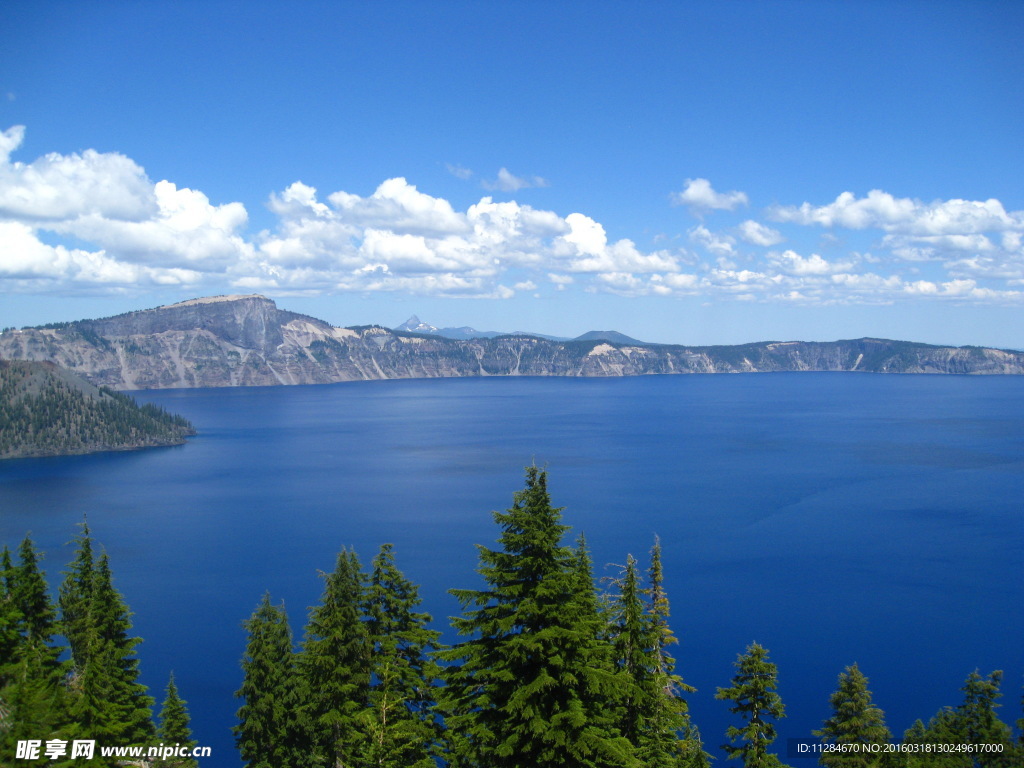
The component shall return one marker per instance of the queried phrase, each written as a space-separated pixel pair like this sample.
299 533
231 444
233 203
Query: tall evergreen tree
111 704
10 617
31 674
672 713
636 644
755 701
335 665
174 730
270 732
973 722
855 720
75 599
9 637
978 722
530 684
402 728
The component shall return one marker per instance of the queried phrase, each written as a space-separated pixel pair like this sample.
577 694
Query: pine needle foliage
335 665
679 742
270 731
107 702
531 683
855 720
174 728
401 726
111 703
756 702
33 699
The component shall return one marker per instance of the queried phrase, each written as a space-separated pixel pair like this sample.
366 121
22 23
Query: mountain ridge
249 341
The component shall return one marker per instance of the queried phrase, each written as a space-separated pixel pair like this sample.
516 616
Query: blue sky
699 172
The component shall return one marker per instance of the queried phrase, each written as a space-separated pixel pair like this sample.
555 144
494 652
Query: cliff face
248 341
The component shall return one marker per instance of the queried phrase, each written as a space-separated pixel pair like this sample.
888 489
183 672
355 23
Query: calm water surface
833 518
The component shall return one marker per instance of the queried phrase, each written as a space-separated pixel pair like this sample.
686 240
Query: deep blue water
833 518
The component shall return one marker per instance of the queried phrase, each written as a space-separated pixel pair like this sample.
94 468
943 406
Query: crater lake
832 518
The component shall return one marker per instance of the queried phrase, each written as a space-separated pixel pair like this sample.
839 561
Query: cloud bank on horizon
96 222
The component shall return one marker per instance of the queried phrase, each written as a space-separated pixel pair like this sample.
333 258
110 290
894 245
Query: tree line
70 671
547 670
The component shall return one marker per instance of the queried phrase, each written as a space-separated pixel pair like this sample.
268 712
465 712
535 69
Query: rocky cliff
246 340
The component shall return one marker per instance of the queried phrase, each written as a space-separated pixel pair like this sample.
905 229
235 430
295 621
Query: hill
247 340
47 411
611 336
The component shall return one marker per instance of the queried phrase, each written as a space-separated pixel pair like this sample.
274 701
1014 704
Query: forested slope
46 411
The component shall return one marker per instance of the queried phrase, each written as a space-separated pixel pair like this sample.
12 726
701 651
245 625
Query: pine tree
31 674
637 645
402 727
671 716
9 640
270 732
973 722
978 722
174 729
76 597
111 703
855 720
10 617
754 700
335 665
530 685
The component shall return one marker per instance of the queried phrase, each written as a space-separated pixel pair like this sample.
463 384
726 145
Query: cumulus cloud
24 257
10 140
58 187
903 215
399 206
699 196
719 245
96 220
793 263
405 233
756 233
184 231
508 182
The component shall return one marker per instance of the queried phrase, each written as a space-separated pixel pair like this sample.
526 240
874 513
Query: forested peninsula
547 671
226 341
48 411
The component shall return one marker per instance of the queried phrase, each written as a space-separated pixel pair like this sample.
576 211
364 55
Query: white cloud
700 196
59 187
185 231
400 207
95 219
459 171
758 234
793 263
508 182
931 245
719 245
10 140
904 216
23 257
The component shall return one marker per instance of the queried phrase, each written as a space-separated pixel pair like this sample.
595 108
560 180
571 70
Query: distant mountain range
247 340
415 325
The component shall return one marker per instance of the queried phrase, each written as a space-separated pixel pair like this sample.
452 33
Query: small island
46 410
